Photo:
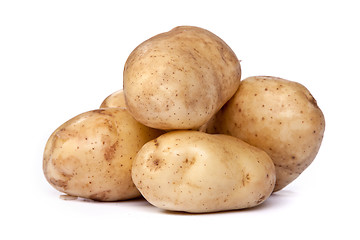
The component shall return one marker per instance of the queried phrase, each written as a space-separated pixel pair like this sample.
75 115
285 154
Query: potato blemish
156 143
245 179
110 151
58 182
100 196
261 199
154 164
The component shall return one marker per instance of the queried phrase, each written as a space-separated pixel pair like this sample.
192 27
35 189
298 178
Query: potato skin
114 100
278 116
197 172
180 79
91 155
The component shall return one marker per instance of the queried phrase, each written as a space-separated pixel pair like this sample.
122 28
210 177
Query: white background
61 58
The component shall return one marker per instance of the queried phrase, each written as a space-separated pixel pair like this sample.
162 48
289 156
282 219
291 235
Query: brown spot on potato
58 182
110 151
261 199
103 111
100 196
312 100
156 162
245 179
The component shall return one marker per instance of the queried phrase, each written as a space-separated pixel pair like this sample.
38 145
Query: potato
180 79
279 116
114 100
197 172
91 155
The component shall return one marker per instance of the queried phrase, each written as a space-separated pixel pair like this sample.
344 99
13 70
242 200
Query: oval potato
91 155
180 79
193 171
114 100
278 116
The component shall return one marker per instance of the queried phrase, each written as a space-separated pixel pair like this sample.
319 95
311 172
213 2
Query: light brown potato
114 100
197 172
279 116
180 79
91 155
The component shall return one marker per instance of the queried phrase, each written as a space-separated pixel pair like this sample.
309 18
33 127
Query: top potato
180 79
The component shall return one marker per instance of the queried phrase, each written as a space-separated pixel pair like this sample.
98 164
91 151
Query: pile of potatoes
186 133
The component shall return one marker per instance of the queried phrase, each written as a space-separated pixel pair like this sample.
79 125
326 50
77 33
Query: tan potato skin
114 100
197 172
91 155
278 116
180 79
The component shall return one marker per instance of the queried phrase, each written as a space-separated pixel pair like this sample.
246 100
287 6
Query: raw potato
114 100
198 172
91 155
180 79
279 116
